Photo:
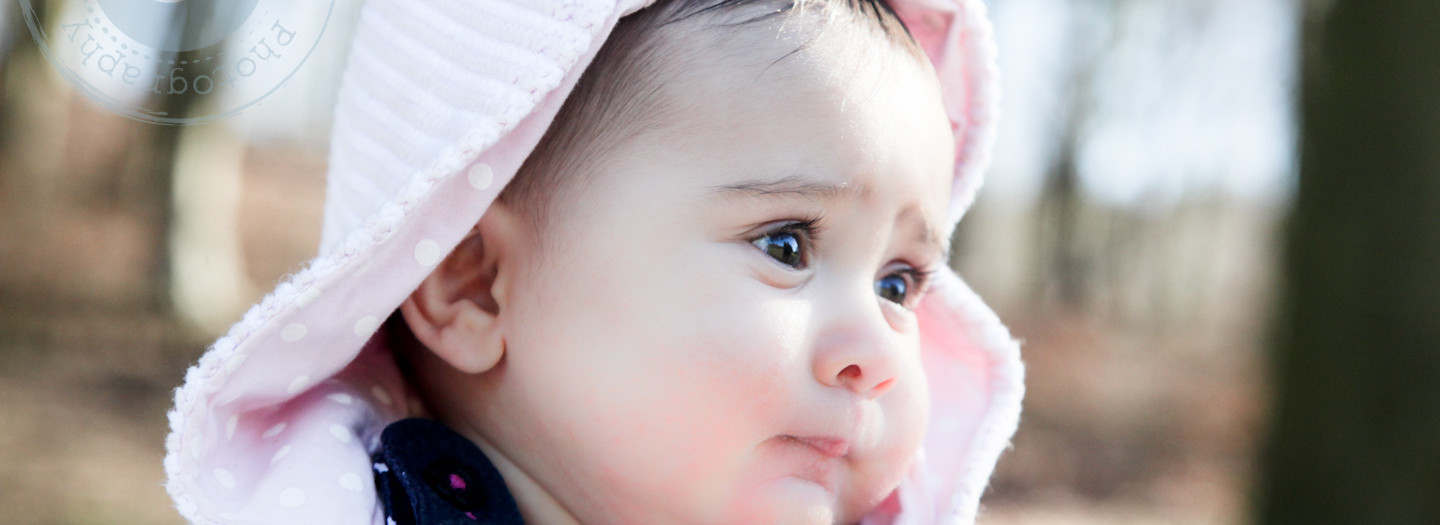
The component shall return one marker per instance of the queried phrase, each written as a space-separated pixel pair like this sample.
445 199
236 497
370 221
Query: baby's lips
832 447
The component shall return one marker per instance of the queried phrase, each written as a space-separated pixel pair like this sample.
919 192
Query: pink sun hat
440 104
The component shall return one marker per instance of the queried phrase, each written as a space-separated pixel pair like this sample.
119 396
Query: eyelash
807 231
919 278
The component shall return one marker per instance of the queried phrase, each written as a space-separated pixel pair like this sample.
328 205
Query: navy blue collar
427 474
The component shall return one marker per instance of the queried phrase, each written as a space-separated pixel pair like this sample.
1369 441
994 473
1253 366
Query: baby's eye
893 288
903 287
788 244
783 246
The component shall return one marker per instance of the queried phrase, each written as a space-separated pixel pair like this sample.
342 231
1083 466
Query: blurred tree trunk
1061 203
1356 430
1065 261
162 150
1062 261
17 44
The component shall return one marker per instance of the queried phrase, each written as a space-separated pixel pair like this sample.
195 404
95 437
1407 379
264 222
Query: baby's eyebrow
799 186
792 186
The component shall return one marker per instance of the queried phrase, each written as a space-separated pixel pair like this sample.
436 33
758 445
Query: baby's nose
860 357
870 381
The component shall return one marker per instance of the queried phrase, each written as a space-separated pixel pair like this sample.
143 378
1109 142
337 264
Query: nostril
882 387
853 377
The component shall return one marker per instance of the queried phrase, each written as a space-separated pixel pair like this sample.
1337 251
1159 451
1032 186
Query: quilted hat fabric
440 104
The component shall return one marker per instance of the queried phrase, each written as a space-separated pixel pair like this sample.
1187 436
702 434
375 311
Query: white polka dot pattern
380 395
280 454
293 332
366 326
292 497
273 431
352 481
298 384
308 297
341 398
427 252
341 433
481 176
225 478
234 363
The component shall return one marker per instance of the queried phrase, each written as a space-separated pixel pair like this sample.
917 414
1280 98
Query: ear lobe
454 311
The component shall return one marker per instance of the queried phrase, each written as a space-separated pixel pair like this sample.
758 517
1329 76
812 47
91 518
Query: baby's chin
802 501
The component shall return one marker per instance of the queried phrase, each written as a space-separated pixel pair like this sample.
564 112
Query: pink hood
441 103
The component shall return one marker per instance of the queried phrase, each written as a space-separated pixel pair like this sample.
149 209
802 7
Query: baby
702 280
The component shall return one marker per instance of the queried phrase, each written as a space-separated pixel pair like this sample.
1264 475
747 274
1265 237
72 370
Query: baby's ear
454 311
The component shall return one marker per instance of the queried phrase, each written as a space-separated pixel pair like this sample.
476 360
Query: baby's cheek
745 343
736 373
735 377
907 408
912 403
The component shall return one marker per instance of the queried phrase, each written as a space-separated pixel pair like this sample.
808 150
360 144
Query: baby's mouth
827 446
813 459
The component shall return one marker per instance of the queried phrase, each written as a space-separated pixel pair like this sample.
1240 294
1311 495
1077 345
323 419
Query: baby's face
721 331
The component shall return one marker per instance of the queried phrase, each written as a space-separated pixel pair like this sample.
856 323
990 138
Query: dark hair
622 92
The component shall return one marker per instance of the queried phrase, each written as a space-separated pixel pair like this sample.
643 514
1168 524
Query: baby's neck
536 504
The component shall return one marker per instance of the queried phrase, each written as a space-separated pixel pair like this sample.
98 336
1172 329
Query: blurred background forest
1159 171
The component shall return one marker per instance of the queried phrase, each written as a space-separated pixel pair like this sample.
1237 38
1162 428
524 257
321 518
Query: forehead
841 105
